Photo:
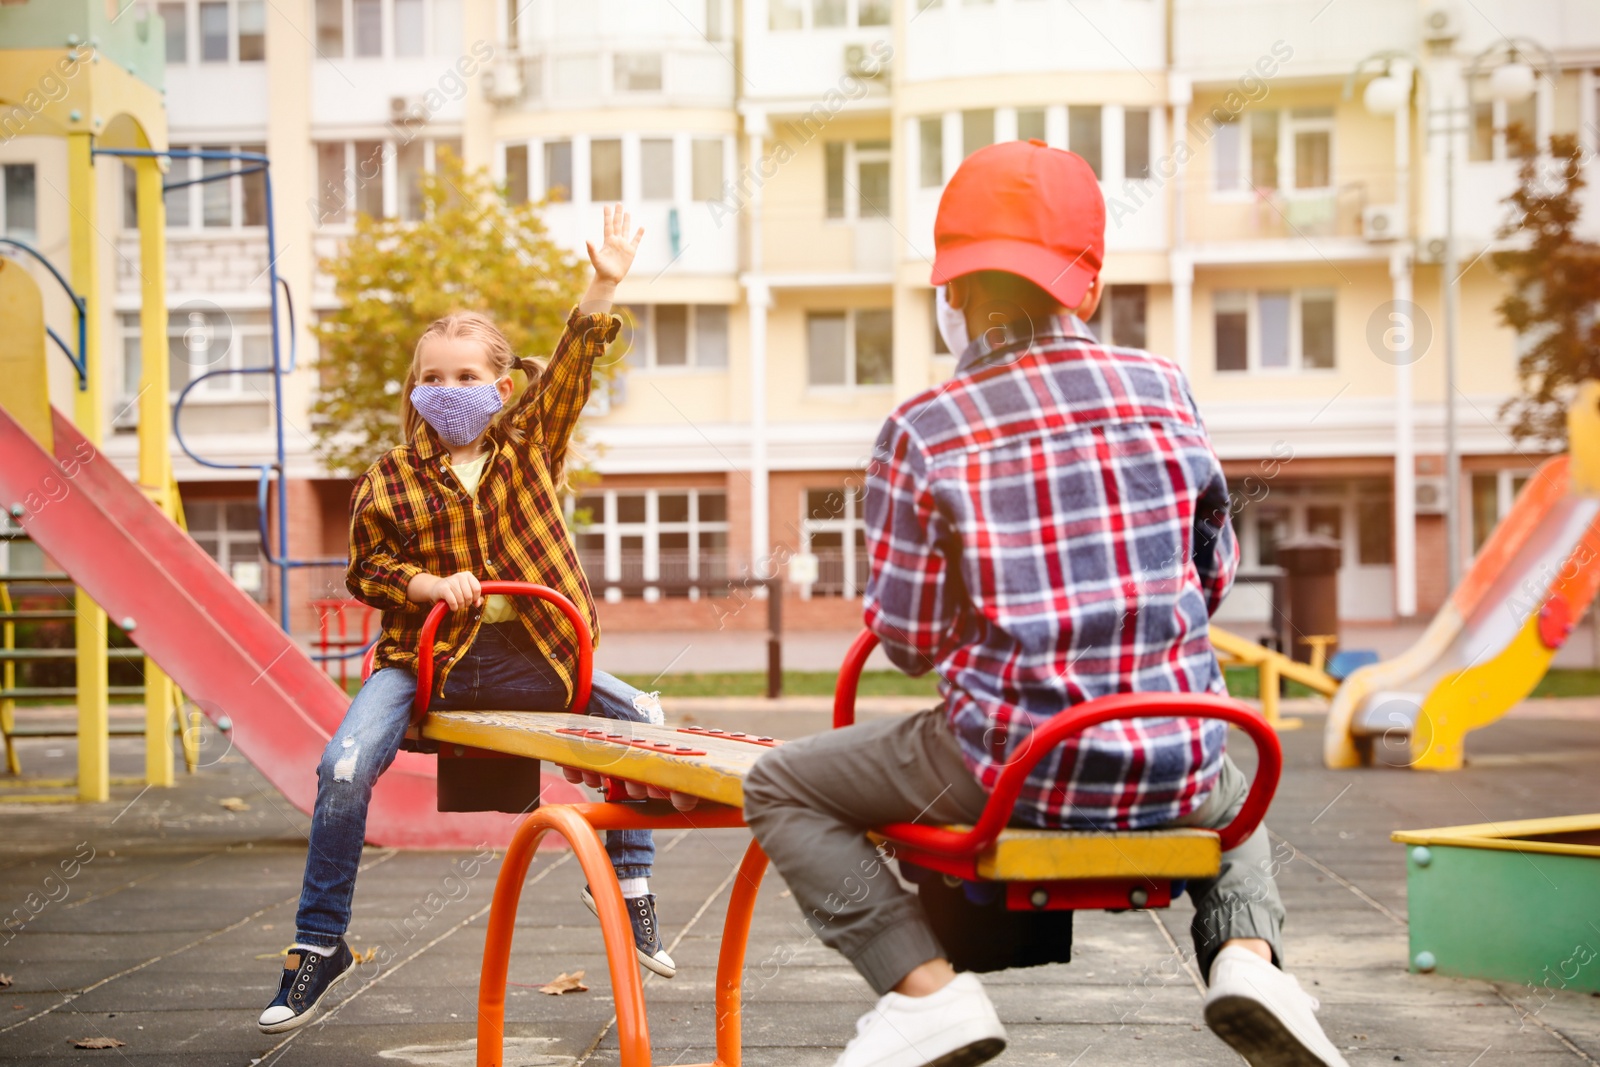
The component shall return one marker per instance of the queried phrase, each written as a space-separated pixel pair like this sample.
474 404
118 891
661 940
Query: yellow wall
791 399
797 235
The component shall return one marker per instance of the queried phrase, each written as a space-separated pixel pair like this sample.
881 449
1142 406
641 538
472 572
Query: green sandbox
1509 902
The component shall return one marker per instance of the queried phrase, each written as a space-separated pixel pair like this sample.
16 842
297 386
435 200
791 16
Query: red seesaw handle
1003 798
580 693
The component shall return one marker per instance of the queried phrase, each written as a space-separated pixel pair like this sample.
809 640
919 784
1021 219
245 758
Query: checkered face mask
458 413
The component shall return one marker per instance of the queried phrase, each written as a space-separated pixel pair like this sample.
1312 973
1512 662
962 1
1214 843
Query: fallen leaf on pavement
234 804
97 1042
364 957
565 983
5 980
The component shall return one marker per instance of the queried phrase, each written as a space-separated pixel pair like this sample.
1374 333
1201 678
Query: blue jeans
503 670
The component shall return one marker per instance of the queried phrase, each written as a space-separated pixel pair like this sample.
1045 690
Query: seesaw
499 752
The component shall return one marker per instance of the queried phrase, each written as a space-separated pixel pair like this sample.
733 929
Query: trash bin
1311 565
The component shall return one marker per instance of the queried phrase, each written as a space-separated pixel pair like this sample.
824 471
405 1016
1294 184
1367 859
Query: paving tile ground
165 939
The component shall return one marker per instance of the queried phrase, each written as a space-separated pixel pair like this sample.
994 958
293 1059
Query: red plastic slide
212 639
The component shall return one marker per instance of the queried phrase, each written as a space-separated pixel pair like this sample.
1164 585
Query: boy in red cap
1049 526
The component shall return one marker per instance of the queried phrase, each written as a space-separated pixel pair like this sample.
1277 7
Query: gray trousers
809 801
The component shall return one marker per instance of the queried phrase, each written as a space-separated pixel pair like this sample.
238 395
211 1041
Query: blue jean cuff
633 872
320 941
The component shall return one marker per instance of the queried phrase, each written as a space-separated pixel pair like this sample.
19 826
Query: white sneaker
955 1027
1264 1014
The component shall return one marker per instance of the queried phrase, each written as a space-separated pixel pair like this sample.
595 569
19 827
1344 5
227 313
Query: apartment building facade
786 158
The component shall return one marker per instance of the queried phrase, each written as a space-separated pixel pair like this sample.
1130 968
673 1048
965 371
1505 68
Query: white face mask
952 323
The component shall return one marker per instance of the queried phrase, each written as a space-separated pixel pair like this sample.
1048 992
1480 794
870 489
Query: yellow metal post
155 456
1269 676
94 712
8 677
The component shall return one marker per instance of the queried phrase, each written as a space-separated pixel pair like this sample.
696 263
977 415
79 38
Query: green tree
1555 283
472 251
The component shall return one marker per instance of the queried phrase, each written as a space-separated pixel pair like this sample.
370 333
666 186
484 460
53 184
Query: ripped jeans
502 670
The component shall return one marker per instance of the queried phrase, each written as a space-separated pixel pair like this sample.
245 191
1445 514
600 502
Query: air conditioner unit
859 61
1439 23
407 110
502 83
127 415
1380 222
1433 250
1430 497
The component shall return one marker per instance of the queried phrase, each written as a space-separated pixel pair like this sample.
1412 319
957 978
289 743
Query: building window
226 203
330 28
1263 169
857 179
783 15
367 21
605 170
636 538
833 530
516 173
230 533
1493 493
977 130
175 18
19 202
1250 152
1490 120
1120 318
636 72
410 28
1030 124
252 31
558 170
873 13
1274 330
706 163
1310 133
1084 134
332 184
1136 143
214 32
675 335
1375 528
930 145
202 341
351 177
655 168
850 348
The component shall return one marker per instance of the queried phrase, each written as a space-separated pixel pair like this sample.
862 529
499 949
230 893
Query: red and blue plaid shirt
1051 526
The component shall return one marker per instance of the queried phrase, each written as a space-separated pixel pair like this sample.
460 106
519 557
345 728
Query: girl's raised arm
552 404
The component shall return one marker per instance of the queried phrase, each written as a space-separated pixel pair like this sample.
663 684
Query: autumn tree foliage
1555 285
472 251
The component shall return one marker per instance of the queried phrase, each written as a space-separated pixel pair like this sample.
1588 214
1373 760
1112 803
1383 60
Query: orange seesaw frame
938 848
579 825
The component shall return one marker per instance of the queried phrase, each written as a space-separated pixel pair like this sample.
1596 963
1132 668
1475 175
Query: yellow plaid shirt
409 515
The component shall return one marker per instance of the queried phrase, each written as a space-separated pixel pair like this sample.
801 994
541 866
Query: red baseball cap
1025 208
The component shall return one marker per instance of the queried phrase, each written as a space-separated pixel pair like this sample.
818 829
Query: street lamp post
1510 81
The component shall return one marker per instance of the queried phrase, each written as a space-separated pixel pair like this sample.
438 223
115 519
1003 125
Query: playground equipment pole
93 679
155 457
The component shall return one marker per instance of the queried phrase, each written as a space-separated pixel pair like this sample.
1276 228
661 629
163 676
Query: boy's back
1051 526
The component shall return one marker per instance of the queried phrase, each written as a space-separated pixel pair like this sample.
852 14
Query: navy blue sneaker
646 936
307 977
